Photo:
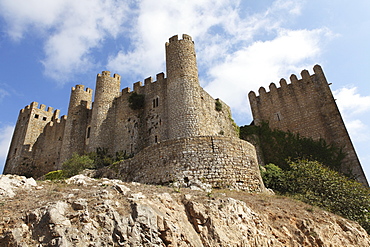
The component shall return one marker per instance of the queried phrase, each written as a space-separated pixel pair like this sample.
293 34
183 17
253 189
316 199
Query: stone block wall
306 106
223 162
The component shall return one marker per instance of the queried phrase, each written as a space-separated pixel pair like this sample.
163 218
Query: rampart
222 162
306 106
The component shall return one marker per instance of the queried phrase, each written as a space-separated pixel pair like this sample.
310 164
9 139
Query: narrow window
88 132
278 116
153 103
156 139
156 102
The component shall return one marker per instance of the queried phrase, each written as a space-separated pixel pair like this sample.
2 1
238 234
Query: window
88 132
44 118
36 116
155 102
156 139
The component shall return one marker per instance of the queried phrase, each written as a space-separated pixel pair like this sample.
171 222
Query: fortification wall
30 124
47 149
106 90
76 127
220 161
306 106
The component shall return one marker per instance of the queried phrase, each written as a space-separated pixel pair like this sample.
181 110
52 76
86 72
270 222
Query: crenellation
307 107
174 130
137 86
160 77
148 80
305 76
293 79
283 83
126 90
272 87
262 91
173 39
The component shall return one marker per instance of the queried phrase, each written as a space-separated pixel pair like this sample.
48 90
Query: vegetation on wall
318 185
94 160
218 105
136 101
278 147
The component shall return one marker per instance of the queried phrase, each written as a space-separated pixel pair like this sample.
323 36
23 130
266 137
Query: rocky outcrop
89 212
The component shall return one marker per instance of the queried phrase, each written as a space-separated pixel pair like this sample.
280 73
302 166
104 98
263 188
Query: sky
47 47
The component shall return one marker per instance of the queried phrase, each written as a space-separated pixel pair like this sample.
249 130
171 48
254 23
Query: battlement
175 38
317 77
40 108
82 88
147 82
107 74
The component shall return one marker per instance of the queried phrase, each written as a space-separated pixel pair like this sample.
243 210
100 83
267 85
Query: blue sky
47 47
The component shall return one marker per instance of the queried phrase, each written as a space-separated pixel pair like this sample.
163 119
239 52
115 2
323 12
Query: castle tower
76 127
306 106
183 89
30 124
106 90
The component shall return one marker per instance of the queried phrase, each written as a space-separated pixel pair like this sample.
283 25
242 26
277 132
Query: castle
177 133
174 130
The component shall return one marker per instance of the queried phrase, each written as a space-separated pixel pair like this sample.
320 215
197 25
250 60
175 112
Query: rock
79 180
9 183
149 216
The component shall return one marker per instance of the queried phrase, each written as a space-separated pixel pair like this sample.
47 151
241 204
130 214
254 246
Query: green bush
218 105
76 164
273 177
317 185
136 101
278 147
55 175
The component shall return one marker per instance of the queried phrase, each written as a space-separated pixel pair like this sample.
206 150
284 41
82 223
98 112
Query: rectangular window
36 116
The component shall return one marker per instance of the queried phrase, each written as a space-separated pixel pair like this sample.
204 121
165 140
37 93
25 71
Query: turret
76 124
106 90
183 90
30 124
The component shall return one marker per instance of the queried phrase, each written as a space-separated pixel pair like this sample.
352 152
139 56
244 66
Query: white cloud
352 106
3 93
350 102
71 29
262 63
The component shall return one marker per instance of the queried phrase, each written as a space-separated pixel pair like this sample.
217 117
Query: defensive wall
306 106
173 107
223 162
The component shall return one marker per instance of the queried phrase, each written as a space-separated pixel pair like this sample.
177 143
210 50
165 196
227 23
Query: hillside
86 212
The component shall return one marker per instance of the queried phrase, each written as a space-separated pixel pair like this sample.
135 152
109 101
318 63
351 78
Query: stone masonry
180 133
306 106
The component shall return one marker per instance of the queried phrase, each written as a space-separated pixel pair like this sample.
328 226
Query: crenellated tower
306 106
30 124
183 89
106 90
76 129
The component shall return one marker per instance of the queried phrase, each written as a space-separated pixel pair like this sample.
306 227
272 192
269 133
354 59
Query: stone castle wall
174 107
222 162
307 107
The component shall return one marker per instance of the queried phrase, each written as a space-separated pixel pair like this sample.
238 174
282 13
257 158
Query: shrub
278 147
136 101
273 177
76 164
55 175
218 105
317 185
